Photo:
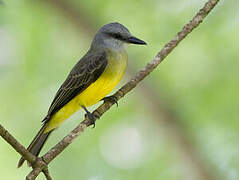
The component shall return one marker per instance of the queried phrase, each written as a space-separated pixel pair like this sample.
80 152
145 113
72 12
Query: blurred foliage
198 81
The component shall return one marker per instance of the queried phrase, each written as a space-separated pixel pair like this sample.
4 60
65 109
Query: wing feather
85 72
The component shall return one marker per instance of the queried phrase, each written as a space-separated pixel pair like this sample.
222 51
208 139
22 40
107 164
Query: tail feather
37 143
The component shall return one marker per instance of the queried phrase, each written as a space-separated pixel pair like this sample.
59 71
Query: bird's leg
111 99
91 116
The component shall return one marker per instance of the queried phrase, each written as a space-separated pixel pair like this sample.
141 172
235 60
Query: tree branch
25 153
39 166
16 145
58 148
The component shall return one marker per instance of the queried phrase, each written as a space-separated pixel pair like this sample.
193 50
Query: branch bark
41 163
16 145
33 160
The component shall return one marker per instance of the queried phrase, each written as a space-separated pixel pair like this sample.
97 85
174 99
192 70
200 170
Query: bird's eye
117 36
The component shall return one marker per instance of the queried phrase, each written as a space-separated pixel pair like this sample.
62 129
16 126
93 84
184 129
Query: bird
93 77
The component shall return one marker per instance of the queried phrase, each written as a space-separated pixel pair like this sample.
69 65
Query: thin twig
38 164
16 145
34 173
47 174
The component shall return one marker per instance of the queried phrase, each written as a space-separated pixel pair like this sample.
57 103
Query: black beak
134 40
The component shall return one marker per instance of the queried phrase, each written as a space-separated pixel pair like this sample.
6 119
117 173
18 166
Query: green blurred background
180 123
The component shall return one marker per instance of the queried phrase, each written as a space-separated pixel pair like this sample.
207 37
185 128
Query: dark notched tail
36 144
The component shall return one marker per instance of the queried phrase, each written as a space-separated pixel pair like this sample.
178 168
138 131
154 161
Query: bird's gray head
114 36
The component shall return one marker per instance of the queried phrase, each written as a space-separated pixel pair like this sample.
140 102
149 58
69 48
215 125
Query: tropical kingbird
90 80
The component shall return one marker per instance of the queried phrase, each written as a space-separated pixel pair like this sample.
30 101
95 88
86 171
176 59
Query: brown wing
85 72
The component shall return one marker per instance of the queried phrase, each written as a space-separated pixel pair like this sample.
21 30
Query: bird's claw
92 118
111 99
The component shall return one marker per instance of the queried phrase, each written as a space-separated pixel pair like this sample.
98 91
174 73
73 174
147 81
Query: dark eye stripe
116 36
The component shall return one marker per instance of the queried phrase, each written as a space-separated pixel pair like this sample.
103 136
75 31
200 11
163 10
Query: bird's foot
111 99
92 117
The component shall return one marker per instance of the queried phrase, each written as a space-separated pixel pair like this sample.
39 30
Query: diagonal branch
24 152
16 145
58 148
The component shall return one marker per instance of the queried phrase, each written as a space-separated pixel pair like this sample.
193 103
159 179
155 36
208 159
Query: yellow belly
114 71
